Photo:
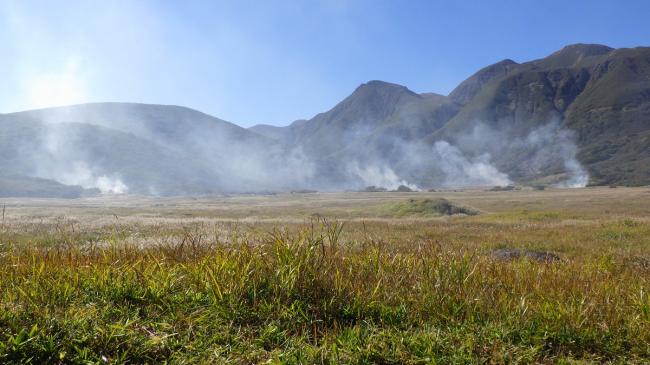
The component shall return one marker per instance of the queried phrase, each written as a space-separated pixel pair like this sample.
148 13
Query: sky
277 61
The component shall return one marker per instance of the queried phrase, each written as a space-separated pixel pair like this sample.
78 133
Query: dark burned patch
510 254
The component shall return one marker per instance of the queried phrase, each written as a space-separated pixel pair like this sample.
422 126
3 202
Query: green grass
322 292
426 207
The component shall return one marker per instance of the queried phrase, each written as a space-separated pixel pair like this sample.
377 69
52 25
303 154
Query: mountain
373 110
578 116
83 154
600 94
168 124
582 111
362 133
140 149
468 89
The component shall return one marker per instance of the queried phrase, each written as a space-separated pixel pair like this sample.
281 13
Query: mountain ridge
582 110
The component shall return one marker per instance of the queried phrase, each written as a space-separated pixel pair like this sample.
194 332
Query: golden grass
192 281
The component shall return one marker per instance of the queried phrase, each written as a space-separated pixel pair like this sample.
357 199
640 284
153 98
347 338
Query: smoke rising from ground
552 143
60 159
460 170
80 174
158 150
479 158
380 176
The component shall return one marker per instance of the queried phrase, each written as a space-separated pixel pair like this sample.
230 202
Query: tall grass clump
313 295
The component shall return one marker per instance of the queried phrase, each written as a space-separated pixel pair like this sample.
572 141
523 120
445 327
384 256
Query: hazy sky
276 61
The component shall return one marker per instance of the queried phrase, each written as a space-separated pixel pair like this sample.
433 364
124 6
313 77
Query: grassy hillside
600 93
376 115
612 118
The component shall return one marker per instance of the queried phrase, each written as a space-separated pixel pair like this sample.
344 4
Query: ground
327 278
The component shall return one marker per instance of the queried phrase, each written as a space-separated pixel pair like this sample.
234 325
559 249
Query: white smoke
80 174
380 176
554 143
61 162
461 170
474 159
578 176
469 161
216 158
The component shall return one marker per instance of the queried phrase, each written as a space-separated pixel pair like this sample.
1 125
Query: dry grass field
553 276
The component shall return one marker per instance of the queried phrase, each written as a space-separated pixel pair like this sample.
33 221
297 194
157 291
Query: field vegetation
426 207
327 278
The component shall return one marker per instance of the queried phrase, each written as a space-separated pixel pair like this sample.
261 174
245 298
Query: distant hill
140 149
25 186
579 116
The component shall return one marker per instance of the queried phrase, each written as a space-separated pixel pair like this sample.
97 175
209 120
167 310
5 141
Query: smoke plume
164 150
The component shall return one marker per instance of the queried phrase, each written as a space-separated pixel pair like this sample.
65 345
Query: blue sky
277 61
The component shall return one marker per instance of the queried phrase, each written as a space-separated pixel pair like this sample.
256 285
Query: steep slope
360 138
600 94
376 112
466 91
527 94
612 118
538 121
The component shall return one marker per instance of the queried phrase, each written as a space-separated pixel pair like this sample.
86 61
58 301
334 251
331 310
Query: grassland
327 278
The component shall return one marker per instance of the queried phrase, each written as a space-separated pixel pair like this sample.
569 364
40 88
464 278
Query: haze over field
578 116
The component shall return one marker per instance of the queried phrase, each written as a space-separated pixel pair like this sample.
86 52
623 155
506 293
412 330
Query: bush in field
427 207
404 189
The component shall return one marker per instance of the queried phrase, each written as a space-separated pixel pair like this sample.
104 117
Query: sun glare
55 88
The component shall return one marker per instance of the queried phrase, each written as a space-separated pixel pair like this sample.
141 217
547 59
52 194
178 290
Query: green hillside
601 94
